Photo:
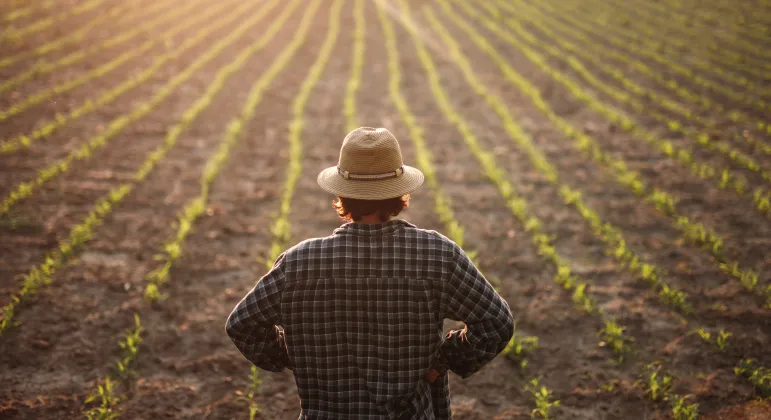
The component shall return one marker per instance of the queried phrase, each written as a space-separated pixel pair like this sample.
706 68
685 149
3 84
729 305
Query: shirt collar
386 228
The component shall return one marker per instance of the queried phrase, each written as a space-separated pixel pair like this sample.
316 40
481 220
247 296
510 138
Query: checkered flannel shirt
358 315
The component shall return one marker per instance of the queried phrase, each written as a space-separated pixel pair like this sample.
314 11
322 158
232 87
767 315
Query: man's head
352 209
370 169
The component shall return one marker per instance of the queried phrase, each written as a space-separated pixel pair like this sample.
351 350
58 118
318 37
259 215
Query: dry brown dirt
186 367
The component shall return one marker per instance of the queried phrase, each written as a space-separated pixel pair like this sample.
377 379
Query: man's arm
467 296
253 324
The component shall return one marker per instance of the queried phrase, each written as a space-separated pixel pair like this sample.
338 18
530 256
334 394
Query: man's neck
370 219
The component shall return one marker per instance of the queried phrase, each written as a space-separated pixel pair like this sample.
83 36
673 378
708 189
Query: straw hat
370 168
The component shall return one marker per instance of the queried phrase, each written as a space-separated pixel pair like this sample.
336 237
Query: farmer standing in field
357 316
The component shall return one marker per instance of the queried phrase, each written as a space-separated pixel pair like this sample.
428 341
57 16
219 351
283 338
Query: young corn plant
683 411
519 347
107 402
721 339
130 346
612 336
250 394
656 384
704 334
759 376
658 387
106 394
544 402
583 301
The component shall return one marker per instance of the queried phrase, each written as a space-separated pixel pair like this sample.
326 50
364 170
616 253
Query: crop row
18 13
723 178
42 274
17 34
116 126
615 243
609 234
45 94
357 65
547 28
727 55
42 66
281 227
101 404
197 205
748 19
663 201
22 141
641 43
729 48
611 333
735 53
705 24
78 35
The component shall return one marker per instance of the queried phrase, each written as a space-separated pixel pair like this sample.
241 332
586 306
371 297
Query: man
357 316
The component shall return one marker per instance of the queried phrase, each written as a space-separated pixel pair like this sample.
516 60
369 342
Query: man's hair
352 209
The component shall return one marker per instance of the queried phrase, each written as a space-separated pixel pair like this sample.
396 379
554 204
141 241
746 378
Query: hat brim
331 181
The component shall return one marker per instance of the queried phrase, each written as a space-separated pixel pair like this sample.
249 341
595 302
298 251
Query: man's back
362 313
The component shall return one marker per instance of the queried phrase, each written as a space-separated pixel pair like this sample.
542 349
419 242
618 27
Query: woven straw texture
370 151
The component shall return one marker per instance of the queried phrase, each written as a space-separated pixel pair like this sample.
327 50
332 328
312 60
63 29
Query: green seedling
108 401
704 334
656 384
722 340
582 300
250 394
130 346
519 347
759 376
683 411
612 336
543 399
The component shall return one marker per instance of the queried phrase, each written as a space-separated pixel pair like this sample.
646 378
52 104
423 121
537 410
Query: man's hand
431 375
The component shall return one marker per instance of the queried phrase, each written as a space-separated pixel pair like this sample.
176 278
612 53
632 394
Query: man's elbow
506 329
232 326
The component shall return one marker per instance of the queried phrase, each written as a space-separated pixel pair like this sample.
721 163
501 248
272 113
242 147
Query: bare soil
67 341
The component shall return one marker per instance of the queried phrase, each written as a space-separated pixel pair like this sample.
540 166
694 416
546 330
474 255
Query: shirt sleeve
467 296
253 326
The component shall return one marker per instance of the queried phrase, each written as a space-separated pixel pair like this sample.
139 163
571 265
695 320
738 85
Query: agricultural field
607 164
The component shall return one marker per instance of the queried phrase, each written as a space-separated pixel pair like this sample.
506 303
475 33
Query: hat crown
370 151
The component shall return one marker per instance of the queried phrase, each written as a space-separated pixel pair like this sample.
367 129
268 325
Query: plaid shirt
358 316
